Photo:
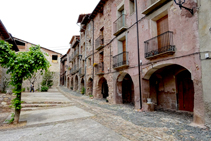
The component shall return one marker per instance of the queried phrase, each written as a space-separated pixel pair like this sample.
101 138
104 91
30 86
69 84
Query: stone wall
102 21
5 102
205 36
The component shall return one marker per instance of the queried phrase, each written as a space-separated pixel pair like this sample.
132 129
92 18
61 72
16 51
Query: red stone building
169 55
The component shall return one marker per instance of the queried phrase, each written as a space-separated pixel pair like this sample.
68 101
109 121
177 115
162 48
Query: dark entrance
185 91
104 89
127 90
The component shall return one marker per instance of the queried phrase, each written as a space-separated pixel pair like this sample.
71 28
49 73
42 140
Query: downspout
93 55
85 63
138 55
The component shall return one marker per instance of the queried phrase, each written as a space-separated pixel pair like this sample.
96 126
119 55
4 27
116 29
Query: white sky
49 23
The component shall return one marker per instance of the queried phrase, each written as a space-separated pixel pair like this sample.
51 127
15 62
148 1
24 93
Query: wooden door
162 27
185 91
124 52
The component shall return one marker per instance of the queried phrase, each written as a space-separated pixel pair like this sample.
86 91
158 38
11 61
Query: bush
23 89
44 89
83 90
48 78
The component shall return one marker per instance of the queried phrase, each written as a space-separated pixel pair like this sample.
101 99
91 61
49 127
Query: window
89 63
90 42
81 49
101 57
55 58
101 11
132 6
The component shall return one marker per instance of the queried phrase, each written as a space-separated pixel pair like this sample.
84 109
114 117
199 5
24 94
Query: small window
90 42
132 6
55 58
101 11
90 62
81 49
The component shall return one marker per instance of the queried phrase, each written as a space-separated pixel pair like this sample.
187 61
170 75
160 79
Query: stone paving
78 130
97 120
161 125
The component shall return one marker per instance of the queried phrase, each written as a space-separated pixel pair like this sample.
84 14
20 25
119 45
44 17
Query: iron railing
120 60
81 72
75 69
160 44
119 24
99 42
71 71
99 69
70 59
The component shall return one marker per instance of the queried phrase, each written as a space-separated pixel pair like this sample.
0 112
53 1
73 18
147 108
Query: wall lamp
80 56
180 3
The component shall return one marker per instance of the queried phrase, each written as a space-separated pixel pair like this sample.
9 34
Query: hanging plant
95 64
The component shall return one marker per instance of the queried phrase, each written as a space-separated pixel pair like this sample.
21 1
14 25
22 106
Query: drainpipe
138 55
85 63
93 55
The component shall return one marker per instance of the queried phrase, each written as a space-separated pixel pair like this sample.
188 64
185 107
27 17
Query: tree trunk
18 111
17 115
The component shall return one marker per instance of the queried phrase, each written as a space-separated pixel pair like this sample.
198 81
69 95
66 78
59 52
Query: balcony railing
119 25
70 59
81 72
160 45
99 68
71 71
75 69
121 60
76 52
99 42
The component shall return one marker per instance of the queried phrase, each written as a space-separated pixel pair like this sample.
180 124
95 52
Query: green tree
47 79
21 65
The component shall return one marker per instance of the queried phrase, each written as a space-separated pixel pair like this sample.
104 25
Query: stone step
28 109
47 102
41 105
41 108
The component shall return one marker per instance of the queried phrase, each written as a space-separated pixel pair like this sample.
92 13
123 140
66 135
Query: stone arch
125 89
65 80
89 86
169 87
68 82
76 83
102 88
81 84
153 68
71 84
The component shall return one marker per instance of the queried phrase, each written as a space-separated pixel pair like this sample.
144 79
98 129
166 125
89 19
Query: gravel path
157 125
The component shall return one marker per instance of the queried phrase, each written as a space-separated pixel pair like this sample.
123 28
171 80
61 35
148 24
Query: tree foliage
47 79
21 65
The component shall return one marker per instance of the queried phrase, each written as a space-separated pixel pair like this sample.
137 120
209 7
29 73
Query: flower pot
149 100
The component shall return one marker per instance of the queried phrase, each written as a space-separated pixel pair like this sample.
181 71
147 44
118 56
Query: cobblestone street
134 125
104 121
